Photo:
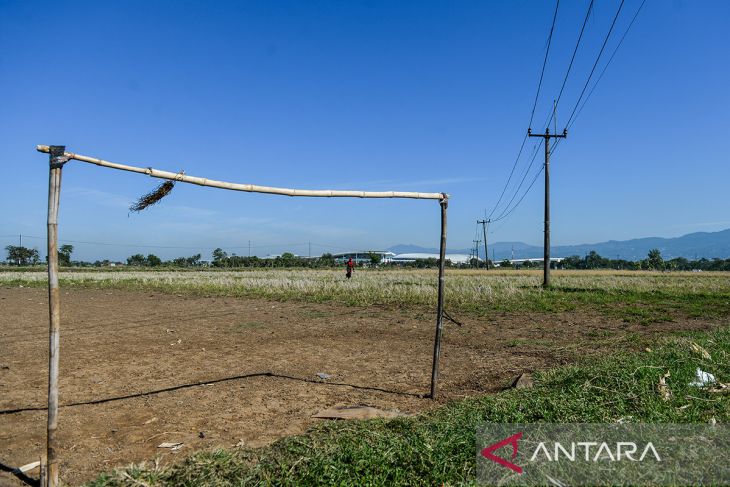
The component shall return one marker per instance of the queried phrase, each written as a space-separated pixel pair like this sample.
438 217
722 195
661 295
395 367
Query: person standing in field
350 268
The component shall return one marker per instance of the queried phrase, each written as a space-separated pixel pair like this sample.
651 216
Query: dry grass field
481 292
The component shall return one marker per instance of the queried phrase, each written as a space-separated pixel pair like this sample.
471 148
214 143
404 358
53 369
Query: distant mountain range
690 246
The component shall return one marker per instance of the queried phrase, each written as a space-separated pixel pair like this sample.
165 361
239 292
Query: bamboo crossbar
249 188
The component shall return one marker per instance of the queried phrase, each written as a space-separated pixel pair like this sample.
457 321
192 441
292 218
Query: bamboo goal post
57 160
58 157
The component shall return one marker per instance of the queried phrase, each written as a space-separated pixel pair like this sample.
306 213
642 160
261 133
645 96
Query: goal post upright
444 203
58 157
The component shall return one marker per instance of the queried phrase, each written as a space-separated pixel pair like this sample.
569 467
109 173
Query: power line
507 209
517 190
195 247
532 114
523 195
544 63
610 59
598 58
514 166
522 181
130 245
572 59
110 244
547 135
555 147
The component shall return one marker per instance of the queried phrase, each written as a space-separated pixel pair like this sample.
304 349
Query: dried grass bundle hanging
153 197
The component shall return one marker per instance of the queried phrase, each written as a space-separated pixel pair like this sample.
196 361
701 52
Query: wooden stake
57 160
440 305
250 188
42 476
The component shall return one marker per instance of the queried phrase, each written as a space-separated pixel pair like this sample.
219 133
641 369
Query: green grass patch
439 447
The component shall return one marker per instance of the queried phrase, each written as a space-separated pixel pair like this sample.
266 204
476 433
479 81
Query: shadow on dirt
214 381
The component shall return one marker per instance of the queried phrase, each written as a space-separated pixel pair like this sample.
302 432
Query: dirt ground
140 369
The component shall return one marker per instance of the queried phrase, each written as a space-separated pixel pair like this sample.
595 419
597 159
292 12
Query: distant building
277 256
536 260
457 259
364 256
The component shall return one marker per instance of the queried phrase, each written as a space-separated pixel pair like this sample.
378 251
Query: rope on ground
451 319
20 475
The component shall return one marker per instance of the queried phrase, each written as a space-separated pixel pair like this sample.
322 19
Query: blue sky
374 95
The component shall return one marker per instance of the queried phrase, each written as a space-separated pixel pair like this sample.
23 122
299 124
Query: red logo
512 440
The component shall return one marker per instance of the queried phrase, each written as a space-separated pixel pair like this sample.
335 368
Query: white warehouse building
386 257
412 257
364 256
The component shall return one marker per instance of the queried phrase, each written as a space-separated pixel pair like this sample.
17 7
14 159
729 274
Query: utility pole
20 245
484 224
476 251
310 249
546 257
249 248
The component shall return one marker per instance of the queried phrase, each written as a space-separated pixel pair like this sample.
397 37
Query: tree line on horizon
24 256
19 255
653 261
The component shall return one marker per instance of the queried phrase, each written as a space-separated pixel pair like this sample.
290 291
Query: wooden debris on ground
700 351
522 381
29 467
172 446
720 388
663 388
356 412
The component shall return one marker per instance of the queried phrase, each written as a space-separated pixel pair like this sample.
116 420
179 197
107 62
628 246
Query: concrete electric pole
484 224
546 251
